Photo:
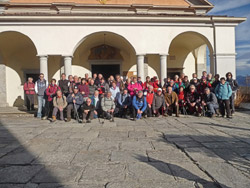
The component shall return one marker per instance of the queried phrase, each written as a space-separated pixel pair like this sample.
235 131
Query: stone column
68 65
140 67
3 86
163 62
44 66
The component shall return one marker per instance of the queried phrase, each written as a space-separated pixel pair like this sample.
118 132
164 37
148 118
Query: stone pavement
186 152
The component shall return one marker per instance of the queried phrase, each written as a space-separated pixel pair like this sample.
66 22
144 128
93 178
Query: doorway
106 70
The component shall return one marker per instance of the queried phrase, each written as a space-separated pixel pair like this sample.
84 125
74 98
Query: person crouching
159 105
108 107
88 111
139 105
59 103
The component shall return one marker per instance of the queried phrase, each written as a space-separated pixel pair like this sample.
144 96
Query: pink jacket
131 88
27 86
51 91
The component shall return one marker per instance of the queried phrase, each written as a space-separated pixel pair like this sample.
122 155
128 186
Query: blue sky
237 8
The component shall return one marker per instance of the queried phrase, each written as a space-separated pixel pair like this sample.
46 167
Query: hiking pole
77 115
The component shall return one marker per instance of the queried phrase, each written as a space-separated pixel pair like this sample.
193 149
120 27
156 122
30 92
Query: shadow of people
19 102
179 172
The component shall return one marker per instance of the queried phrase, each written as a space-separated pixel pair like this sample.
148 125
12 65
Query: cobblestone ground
159 152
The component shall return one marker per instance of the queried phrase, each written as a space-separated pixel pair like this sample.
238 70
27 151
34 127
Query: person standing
51 93
124 103
235 87
64 85
40 88
223 92
150 98
84 89
29 88
134 87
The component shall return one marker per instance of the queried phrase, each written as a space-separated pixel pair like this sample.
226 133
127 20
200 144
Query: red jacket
145 85
27 86
150 97
51 91
181 96
202 86
156 85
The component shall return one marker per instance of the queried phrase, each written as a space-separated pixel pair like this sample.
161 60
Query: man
64 84
235 87
223 92
92 88
173 85
216 81
84 89
149 99
139 81
86 77
194 77
98 80
210 101
186 83
71 79
172 102
96 101
194 101
40 88
74 83
159 105
108 107
204 74
124 103
139 105
75 100
29 89
59 103
115 91
103 87
94 76
88 111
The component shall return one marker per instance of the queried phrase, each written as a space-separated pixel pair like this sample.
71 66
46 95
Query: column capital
140 55
67 56
164 54
42 56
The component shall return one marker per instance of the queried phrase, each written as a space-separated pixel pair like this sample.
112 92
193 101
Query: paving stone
136 145
128 156
18 174
104 146
55 158
136 134
167 156
64 174
21 158
103 173
88 157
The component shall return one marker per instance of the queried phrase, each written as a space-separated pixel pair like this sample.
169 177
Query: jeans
41 106
55 111
232 102
212 108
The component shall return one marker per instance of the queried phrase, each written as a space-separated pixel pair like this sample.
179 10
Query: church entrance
106 70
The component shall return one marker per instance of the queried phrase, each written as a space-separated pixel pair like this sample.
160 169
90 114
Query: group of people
95 97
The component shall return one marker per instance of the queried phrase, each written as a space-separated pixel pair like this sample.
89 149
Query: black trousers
88 116
49 108
30 101
224 106
149 111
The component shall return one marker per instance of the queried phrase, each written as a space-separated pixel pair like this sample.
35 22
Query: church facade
128 37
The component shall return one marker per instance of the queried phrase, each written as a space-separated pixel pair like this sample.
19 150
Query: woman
147 83
51 93
84 89
134 87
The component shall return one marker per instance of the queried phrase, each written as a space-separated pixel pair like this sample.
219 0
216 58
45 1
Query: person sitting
115 91
29 89
50 92
124 103
150 98
84 89
210 101
159 105
223 92
134 87
75 100
59 103
139 105
108 106
171 100
96 101
194 101
88 111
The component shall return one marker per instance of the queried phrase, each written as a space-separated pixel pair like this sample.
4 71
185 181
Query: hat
140 91
75 87
159 89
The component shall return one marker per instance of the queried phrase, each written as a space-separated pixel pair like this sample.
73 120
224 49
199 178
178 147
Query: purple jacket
84 88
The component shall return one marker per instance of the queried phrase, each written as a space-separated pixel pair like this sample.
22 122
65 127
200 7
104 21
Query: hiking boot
84 121
53 118
229 117
68 120
177 115
44 118
88 121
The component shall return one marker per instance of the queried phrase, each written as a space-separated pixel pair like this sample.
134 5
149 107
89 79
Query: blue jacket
139 103
124 100
223 92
